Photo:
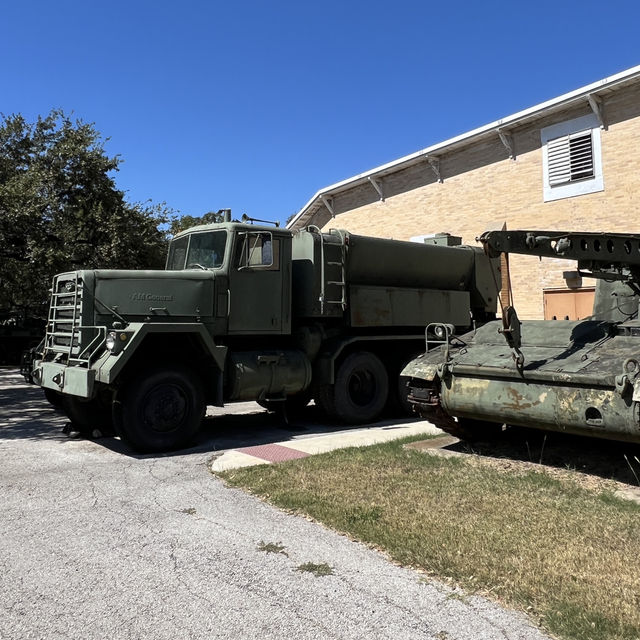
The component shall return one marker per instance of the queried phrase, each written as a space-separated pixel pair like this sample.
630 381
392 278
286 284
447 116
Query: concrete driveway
98 543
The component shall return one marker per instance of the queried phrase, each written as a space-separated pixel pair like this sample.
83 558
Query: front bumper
75 381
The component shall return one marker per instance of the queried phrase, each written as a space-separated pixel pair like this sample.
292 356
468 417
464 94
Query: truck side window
177 253
258 250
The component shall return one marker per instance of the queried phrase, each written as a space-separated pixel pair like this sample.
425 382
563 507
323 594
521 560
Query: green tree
60 209
181 223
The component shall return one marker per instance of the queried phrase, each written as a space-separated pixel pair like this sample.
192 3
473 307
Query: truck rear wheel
159 409
398 403
361 388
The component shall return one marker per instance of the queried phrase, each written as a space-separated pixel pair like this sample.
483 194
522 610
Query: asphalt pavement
96 542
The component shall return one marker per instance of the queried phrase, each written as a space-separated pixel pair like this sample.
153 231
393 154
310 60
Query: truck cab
251 267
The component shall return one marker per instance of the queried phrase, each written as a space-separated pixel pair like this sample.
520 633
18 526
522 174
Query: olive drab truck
252 312
580 377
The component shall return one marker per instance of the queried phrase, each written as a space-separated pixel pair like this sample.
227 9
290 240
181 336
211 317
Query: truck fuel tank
255 374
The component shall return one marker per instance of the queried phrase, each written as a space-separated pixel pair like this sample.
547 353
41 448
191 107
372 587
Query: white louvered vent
570 158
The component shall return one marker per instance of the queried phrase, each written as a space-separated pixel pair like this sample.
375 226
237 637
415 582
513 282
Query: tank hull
579 377
569 408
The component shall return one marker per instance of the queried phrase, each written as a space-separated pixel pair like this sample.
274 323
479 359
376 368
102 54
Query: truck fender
110 366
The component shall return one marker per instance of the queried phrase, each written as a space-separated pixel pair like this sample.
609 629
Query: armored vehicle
579 377
251 312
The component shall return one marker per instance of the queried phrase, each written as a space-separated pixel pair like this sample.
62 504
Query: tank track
426 403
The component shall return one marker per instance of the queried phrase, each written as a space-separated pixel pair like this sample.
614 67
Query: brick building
571 163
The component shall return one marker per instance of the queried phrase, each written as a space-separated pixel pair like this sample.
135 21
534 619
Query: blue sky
257 105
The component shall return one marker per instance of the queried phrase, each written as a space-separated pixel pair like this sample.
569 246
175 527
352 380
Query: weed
632 469
542 450
318 570
456 595
272 547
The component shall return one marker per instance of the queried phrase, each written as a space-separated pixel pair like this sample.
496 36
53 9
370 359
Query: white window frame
578 187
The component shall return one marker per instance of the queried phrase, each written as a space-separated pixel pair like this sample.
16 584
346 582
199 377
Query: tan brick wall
482 187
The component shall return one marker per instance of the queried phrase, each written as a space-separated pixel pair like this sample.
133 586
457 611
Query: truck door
259 284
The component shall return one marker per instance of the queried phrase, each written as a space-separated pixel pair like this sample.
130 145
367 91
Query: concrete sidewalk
306 446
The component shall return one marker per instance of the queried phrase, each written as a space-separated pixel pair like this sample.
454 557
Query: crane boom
603 255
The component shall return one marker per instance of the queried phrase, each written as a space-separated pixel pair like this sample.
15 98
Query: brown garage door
568 304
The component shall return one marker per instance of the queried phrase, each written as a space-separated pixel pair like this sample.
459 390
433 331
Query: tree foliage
60 209
185 222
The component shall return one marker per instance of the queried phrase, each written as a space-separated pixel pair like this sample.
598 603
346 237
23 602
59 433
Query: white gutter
589 92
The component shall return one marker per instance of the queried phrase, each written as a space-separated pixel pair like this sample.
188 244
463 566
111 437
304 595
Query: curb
304 447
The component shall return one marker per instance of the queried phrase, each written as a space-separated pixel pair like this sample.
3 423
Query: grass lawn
566 554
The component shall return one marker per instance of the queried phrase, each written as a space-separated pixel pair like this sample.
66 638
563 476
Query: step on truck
573 376
252 312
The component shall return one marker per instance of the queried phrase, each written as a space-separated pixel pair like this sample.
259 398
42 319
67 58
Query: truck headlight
116 340
111 340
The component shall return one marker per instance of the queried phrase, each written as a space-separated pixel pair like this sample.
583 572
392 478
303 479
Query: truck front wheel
361 388
91 418
159 409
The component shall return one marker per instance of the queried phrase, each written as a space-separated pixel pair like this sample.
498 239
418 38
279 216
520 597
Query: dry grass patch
566 554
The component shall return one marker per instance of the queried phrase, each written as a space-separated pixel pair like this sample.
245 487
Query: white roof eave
521 117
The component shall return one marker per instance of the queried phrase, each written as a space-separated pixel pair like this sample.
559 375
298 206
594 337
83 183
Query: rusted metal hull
591 411
578 377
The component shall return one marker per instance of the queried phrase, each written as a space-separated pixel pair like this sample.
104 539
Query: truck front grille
67 339
65 316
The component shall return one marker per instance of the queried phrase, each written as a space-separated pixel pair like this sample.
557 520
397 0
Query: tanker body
379 261
247 312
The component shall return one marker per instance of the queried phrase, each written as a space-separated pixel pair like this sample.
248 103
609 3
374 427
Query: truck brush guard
67 339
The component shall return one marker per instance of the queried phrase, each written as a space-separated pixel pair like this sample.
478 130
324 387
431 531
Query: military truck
19 330
580 377
252 312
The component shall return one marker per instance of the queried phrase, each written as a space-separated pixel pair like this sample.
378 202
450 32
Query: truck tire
54 398
92 418
361 388
159 409
324 399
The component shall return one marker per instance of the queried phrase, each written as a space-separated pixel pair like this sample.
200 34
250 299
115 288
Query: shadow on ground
606 459
25 414
24 411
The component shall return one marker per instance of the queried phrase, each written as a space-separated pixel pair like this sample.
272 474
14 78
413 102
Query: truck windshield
203 250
